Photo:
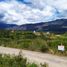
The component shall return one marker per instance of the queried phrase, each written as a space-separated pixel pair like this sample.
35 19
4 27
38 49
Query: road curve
37 57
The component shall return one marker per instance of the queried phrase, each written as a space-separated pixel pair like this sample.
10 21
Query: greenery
35 41
16 61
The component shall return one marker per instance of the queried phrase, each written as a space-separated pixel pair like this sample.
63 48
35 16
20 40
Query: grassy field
35 41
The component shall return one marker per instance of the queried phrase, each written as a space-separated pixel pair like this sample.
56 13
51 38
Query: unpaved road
37 57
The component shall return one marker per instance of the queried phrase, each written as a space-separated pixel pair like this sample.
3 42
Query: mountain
6 26
57 26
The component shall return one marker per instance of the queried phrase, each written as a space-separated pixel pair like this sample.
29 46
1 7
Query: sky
32 11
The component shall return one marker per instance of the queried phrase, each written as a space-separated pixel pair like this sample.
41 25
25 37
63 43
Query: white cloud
40 11
59 4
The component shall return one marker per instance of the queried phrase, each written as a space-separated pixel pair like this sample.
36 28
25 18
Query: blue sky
32 11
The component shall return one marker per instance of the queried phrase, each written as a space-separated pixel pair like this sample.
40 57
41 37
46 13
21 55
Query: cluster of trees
38 41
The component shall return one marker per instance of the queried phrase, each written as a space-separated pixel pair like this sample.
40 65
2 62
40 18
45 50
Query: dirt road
37 57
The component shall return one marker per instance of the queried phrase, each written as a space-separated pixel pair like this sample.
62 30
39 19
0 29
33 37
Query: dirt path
37 57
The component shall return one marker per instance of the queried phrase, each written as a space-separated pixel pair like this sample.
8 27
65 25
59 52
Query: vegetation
35 41
16 61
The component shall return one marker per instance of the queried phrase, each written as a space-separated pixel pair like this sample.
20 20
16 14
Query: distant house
58 35
12 31
34 31
48 32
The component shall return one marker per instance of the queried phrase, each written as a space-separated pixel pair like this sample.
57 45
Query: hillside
57 26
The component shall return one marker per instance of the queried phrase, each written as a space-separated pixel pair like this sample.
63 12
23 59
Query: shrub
44 48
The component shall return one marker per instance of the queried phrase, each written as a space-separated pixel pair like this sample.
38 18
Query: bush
16 61
44 48
32 65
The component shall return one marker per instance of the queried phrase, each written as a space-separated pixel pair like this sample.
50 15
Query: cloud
32 11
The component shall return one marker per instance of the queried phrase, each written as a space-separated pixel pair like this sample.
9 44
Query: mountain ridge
59 25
